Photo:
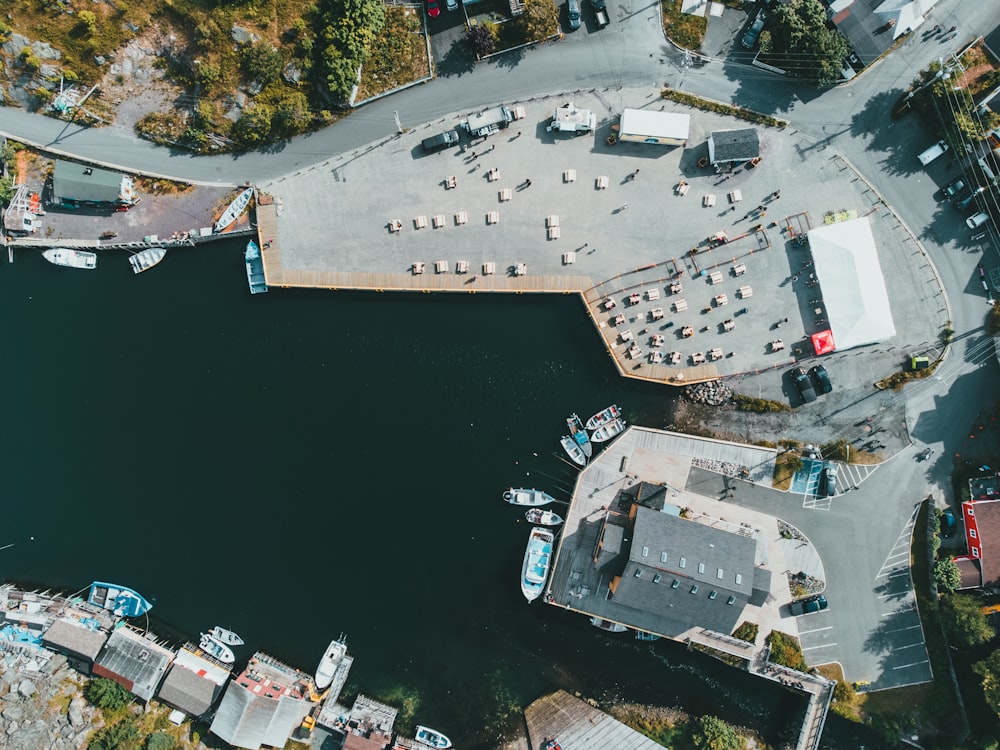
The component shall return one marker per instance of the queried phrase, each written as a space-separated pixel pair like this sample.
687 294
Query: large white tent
857 304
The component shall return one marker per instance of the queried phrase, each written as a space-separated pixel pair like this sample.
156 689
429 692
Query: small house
77 185
731 146
664 128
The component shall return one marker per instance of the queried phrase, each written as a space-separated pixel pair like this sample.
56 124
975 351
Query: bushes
749 403
786 651
747 631
107 694
946 575
719 108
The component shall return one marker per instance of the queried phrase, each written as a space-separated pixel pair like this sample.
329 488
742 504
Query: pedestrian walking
776 194
527 183
625 207
491 148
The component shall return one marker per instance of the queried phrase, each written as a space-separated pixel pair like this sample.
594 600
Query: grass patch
399 56
786 651
847 702
681 28
722 109
786 464
747 631
759 405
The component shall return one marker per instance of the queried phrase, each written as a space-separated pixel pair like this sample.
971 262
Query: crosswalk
808 481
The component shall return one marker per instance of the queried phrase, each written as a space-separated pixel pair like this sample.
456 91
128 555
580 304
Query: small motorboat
527 497
216 650
611 627
537 558
573 449
603 417
432 737
575 427
542 517
228 637
607 431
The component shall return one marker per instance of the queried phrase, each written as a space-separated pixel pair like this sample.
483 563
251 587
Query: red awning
823 342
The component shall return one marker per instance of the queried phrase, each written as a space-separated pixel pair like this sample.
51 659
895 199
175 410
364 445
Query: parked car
803 385
919 363
964 203
948 524
600 13
433 9
953 188
822 378
750 38
440 141
977 220
573 9
451 4
805 606
828 480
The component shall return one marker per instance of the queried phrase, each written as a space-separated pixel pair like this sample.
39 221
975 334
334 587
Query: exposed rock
45 51
292 73
75 713
242 36
713 393
49 71
15 44
100 59
254 88
13 712
30 737
27 688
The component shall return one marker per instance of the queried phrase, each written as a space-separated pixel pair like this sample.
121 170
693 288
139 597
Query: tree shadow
511 58
873 122
458 60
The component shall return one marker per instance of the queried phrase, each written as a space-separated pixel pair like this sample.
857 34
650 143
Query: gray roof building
733 145
193 684
133 661
79 644
78 183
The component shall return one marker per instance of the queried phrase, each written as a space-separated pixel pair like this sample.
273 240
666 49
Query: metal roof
733 145
134 661
74 640
91 184
673 125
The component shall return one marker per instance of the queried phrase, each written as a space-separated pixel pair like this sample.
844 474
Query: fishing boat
235 211
579 434
146 259
524 496
643 635
255 269
228 637
216 649
328 664
121 600
603 417
64 256
432 737
535 568
573 449
611 627
607 431
543 517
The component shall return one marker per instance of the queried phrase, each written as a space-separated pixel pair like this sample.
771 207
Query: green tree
206 73
107 694
965 624
118 736
261 62
712 733
989 670
89 20
482 40
289 110
946 575
539 20
800 42
253 127
341 74
160 741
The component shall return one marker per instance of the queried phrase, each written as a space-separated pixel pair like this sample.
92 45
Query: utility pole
399 126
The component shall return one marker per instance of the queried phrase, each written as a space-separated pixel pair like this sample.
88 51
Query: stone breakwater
713 393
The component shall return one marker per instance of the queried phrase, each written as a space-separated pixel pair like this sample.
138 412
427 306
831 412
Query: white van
977 220
929 155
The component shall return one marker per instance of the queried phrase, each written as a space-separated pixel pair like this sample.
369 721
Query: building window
663 557
975 551
718 574
683 562
656 578
970 511
638 572
675 584
713 595
694 589
972 533
739 579
701 567
731 600
645 551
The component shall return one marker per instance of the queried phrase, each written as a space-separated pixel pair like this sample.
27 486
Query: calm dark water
302 464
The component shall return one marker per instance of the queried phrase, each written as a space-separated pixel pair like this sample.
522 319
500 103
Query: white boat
526 497
432 737
228 637
64 256
146 259
542 517
535 568
579 434
611 627
607 431
215 649
235 211
573 449
603 417
328 664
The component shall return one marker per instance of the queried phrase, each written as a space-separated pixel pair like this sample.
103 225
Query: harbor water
303 464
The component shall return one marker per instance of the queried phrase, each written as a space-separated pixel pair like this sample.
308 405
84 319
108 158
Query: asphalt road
862 535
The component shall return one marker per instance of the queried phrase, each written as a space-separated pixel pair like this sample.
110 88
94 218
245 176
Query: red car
552 745
432 9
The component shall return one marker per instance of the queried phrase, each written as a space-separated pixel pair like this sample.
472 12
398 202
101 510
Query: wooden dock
579 726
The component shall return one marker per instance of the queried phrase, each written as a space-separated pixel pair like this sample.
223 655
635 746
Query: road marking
914 664
912 645
825 645
815 630
900 630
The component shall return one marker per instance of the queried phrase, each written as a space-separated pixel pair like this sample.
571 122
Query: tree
117 736
89 20
989 670
801 42
7 189
254 125
160 741
965 624
290 110
712 733
482 40
946 575
539 20
261 62
107 694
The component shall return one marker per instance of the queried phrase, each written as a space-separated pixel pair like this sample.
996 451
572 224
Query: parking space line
900 630
825 645
815 630
914 664
912 645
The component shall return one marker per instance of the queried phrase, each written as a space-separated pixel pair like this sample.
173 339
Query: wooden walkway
579 726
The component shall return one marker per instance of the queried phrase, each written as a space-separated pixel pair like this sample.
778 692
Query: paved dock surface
579 726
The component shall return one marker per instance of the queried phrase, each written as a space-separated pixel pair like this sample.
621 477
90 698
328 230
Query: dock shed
76 185
730 146
193 683
664 128
79 644
133 661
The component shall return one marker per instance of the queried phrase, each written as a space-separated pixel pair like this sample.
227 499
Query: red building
980 568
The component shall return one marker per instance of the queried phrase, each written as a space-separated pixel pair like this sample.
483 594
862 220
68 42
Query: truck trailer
489 121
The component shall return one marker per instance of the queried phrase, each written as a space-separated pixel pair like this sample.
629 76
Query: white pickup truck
929 155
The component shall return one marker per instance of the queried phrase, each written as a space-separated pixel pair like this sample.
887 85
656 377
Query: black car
822 378
805 606
803 385
953 188
441 140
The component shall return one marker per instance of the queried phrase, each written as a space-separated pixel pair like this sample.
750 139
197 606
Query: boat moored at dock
216 649
611 627
328 664
146 259
573 449
579 434
603 417
527 497
542 517
608 430
228 637
69 258
255 269
121 600
432 737
537 556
